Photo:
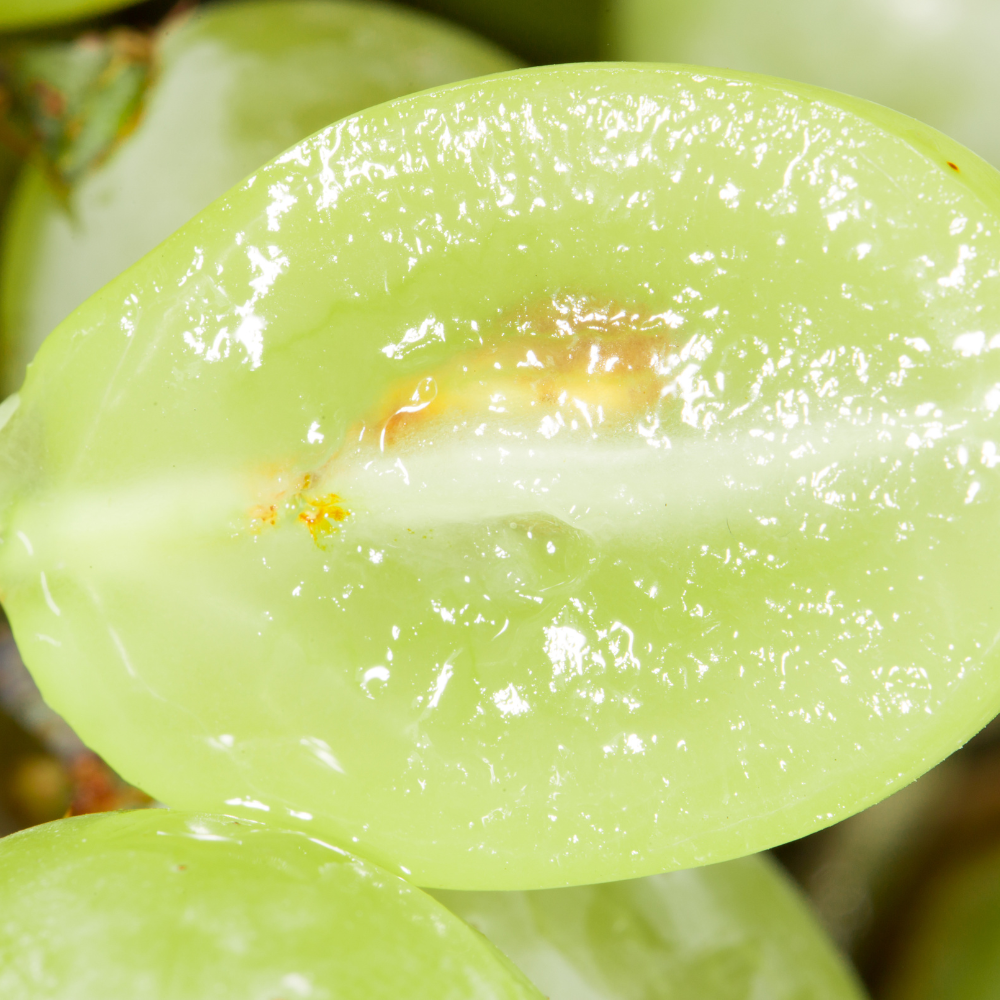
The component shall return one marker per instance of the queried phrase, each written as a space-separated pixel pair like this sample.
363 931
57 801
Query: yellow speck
323 514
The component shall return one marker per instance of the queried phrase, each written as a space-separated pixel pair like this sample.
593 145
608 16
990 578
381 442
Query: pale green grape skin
753 595
728 931
18 14
938 61
951 947
236 84
159 905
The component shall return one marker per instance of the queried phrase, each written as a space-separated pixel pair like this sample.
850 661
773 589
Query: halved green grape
158 905
951 944
555 478
17 14
237 84
937 61
728 932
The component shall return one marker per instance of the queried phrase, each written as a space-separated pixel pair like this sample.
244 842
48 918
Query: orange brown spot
264 514
603 355
278 487
954 166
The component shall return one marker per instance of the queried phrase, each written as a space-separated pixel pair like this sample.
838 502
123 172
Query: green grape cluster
165 905
557 477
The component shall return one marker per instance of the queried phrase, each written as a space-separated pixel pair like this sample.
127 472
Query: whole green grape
938 61
725 932
18 14
236 84
158 905
951 944
558 477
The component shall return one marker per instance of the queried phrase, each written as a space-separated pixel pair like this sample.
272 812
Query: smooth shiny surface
556 478
158 905
17 14
236 84
937 60
950 948
733 931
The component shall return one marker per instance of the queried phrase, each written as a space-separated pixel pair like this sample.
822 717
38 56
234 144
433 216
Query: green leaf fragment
67 105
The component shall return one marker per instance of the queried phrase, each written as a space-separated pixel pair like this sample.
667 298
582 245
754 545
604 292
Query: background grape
163 905
730 932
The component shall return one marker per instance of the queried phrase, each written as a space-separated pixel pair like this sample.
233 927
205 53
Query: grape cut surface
558 477
158 905
728 932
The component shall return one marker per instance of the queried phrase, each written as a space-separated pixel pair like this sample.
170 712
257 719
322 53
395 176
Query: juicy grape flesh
531 495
